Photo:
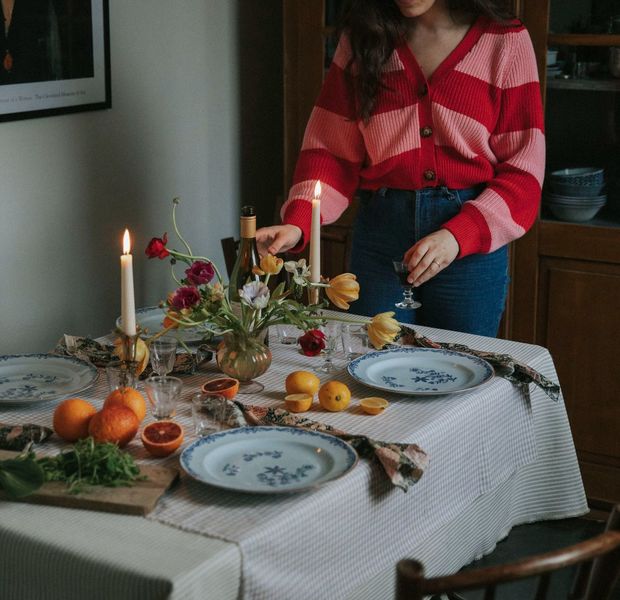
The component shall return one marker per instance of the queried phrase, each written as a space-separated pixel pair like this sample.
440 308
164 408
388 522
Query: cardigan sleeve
332 152
509 204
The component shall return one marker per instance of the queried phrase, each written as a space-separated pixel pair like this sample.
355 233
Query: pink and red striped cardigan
478 119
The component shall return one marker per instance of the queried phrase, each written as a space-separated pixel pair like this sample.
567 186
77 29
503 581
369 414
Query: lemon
141 353
334 396
298 402
373 406
302 382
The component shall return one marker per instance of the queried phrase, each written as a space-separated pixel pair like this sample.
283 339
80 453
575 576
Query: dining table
498 455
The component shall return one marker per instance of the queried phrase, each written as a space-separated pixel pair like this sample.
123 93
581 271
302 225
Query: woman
431 109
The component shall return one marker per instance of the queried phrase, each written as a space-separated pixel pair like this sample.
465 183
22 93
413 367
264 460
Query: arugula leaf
21 476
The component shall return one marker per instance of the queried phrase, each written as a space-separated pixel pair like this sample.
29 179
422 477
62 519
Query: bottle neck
248 227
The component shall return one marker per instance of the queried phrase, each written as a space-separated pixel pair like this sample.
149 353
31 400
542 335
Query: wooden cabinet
566 280
565 291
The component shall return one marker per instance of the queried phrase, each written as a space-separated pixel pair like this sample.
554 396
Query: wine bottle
247 256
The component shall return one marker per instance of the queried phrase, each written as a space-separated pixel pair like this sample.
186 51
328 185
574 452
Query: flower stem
175 203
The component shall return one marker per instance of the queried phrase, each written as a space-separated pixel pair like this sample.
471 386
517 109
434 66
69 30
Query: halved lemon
162 438
298 402
373 405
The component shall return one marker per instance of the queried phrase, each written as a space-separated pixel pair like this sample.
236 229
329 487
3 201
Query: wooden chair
230 247
598 559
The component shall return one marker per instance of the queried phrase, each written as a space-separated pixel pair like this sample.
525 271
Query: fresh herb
21 476
90 463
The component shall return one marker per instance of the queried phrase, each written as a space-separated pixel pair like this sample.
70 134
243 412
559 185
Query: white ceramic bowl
575 214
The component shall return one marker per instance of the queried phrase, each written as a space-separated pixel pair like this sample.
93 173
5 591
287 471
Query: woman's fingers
277 238
431 255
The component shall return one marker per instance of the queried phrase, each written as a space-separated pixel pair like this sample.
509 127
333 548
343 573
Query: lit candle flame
317 190
126 242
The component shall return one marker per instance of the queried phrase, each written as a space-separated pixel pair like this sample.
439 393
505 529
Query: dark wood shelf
586 85
583 39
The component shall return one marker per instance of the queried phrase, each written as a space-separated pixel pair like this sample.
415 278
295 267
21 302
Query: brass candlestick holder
127 364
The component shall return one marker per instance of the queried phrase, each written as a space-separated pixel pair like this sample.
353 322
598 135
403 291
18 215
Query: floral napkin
404 464
101 354
505 365
18 437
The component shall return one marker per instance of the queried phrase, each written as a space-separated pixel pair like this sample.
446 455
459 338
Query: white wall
70 184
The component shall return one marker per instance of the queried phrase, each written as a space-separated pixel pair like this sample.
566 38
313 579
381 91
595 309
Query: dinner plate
420 371
268 460
30 378
151 318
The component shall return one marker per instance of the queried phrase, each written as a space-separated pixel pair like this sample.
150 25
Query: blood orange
162 437
129 397
116 424
71 419
222 386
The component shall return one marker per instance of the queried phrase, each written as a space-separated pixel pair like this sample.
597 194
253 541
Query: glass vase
244 357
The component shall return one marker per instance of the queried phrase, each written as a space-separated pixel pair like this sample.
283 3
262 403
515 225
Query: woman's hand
430 255
277 238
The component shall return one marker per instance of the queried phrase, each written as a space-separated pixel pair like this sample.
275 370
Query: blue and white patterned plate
30 378
420 371
268 460
151 318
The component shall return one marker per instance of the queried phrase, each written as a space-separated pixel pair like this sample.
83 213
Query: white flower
299 269
255 294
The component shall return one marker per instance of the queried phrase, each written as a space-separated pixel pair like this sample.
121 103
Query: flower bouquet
201 301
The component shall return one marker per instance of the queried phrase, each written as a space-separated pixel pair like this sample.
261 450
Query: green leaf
21 477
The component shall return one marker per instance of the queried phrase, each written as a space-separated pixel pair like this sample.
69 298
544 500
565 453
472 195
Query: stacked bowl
576 194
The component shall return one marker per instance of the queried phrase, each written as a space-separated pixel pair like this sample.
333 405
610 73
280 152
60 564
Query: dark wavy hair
376 27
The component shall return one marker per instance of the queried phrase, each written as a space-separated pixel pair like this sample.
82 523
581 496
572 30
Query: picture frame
55 58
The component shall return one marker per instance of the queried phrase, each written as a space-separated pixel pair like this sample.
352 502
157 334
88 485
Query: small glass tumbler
163 354
121 374
288 334
354 340
331 329
208 413
163 392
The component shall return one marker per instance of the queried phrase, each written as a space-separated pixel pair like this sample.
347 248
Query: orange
71 419
162 437
302 382
116 424
222 386
129 397
334 396
298 402
373 405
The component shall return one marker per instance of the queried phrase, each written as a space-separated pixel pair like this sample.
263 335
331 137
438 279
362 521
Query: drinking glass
331 329
163 392
208 413
354 340
402 272
163 354
288 334
121 374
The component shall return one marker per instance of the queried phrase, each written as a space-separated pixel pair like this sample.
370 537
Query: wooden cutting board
140 499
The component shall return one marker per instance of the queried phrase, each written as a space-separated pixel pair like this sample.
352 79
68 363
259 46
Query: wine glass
402 271
331 330
163 354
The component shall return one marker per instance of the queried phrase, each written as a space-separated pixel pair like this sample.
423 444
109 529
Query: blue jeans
468 295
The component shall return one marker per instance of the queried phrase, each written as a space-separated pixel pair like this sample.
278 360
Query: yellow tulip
141 353
342 290
269 265
382 329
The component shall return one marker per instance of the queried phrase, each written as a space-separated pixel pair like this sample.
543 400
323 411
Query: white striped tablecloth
497 458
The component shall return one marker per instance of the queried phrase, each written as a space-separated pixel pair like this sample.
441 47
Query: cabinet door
579 323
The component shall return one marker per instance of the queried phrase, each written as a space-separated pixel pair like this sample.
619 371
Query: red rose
157 247
200 272
185 297
312 342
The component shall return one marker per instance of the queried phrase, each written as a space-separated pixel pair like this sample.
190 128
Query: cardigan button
426 131
429 175
423 90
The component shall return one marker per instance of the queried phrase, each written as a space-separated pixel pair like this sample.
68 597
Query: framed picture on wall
55 57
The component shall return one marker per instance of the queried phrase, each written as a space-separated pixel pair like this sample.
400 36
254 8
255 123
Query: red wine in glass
402 272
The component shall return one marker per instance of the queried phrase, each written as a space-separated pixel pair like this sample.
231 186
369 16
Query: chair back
598 558
230 247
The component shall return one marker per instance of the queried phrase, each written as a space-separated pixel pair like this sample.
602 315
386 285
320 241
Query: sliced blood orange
162 438
222 386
